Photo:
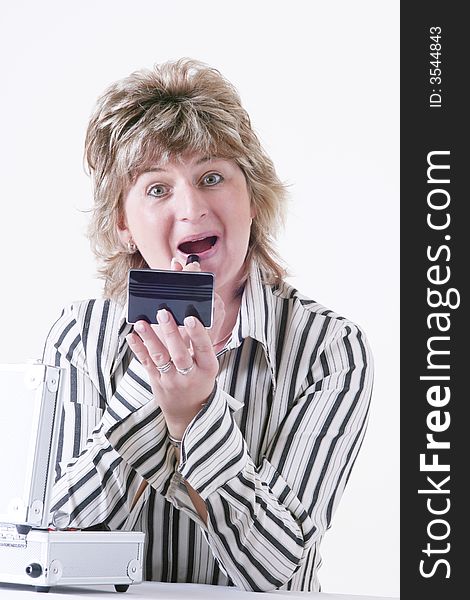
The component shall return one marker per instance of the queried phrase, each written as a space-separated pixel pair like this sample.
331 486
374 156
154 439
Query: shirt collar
256 318
124 329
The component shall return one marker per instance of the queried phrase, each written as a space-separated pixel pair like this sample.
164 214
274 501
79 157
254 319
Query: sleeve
263 519
93 483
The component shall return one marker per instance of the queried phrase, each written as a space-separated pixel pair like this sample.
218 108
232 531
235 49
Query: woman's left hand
182 377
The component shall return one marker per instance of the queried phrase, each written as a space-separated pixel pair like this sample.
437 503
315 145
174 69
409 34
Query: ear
252 209
123 231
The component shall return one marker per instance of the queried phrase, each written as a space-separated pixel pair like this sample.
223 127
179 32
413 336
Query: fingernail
139 327
163 316
190 322
192 258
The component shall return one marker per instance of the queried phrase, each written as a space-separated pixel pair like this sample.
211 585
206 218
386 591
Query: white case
48 558
30 405
30 553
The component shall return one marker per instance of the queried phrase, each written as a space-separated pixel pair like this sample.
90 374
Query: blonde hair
159 114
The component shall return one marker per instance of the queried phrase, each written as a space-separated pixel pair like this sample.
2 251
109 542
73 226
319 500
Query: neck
231 295
232 301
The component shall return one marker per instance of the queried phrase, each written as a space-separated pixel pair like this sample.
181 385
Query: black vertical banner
435 257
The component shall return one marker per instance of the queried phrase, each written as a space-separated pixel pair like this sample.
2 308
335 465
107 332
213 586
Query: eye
157 191
212 179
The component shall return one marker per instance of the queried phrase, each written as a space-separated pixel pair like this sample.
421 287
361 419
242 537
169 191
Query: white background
320 81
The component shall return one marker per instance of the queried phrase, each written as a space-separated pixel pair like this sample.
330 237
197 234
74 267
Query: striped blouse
270 454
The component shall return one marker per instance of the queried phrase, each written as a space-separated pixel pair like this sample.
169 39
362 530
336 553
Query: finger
194 266
185 336
140 351
158 330
155 348
193 259
203 352
175 344
175 265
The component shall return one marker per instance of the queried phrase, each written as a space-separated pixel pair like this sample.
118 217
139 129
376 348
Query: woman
229 447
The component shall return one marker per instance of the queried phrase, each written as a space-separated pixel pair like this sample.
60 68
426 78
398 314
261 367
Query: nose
191 204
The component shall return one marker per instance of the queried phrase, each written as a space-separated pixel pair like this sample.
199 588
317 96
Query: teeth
202 237
199 238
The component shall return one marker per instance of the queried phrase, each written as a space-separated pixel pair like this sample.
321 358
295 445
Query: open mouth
198 246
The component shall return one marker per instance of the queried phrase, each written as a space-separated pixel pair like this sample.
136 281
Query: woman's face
196 205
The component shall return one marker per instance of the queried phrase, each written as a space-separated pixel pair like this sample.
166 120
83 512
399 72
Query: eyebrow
158 169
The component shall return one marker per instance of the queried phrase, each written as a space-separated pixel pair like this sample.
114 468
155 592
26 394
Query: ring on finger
166 367
185 371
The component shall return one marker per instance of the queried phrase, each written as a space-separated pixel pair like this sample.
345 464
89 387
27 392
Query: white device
30 553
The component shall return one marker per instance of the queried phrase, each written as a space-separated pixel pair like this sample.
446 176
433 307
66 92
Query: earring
131 247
